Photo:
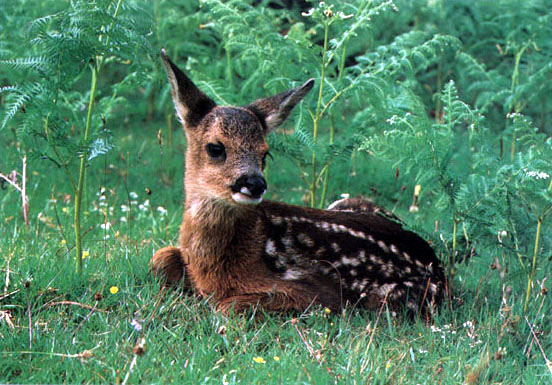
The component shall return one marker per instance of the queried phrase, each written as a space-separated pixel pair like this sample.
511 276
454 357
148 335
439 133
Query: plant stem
517 106
533 265
317 115
82 170
452 258
84 156
327 175
535 252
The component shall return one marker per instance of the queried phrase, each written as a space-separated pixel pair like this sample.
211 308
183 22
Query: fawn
242 251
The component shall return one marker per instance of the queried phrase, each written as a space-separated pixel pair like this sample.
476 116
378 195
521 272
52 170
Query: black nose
251 185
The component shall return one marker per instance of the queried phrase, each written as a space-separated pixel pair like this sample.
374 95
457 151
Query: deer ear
272 111
191 104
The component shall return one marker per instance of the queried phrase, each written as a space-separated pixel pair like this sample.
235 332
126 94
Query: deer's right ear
191 104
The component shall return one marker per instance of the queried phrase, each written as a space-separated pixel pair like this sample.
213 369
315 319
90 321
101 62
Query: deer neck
211 225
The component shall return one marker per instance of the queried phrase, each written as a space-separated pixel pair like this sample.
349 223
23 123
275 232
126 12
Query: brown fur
274 255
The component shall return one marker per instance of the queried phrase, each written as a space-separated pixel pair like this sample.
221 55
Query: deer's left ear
272 111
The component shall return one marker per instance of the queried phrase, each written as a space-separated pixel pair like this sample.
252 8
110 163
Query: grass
58 327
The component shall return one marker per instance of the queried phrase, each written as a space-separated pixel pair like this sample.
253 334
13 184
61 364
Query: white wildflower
136 325
162 210
133 195
123 219
392 120
309 13
343 16
536 174
105 226
124 208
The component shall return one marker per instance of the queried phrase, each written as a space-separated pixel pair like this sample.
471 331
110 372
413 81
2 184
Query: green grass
77 337
60 327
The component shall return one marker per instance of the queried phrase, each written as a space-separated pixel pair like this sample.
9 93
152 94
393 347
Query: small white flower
309 13
146 203
392 120
136 324
537 174
343 16
105 226
123 219
162 210
133 195
124 208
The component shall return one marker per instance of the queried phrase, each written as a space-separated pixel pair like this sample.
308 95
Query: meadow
439 111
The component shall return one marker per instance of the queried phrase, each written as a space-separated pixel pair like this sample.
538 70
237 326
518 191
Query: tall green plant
88 35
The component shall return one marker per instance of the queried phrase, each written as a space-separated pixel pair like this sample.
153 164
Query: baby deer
242 251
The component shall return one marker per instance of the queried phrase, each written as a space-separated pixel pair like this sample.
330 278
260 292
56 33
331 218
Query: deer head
226 145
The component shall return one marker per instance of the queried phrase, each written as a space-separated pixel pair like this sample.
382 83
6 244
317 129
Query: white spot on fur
408 284
292 274
394 249
270 247
357 234
305 240
407 257
383 246
362 256
335 247
323 225
276 220
353 272
385 289
376 259
350 261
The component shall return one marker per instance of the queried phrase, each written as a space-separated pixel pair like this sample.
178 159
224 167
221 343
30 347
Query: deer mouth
245 197
249 189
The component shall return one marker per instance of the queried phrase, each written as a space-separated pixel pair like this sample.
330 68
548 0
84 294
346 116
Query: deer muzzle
249 189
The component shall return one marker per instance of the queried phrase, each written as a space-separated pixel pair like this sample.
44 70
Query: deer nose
250 185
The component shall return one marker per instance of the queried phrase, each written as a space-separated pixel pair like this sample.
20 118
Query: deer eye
216 150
